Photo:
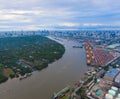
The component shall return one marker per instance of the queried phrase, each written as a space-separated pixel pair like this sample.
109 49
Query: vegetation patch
7 72
21 55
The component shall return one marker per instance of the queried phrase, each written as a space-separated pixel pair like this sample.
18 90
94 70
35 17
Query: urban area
102 79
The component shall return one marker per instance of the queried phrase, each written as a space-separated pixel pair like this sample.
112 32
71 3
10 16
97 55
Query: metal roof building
117 81
111 74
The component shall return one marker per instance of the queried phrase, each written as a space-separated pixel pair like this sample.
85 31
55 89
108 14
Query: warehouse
117 81
111 74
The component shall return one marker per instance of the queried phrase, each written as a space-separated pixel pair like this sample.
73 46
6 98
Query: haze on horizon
58 14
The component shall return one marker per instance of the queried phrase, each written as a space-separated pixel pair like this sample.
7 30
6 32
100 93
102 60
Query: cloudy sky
58 14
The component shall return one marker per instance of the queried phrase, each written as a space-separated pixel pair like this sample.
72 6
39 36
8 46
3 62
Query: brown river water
42 84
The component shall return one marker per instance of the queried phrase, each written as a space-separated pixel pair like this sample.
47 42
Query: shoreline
26 75
67 70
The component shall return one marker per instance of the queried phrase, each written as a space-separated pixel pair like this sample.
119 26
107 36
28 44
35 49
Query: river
42 84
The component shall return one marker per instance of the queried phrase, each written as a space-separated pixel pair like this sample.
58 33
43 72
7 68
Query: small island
20 56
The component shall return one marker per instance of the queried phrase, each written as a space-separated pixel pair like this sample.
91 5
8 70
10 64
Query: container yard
97 56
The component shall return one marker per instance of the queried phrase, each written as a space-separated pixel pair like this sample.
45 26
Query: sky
59 14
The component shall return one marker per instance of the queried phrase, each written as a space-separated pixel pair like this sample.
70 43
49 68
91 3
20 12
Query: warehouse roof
112 72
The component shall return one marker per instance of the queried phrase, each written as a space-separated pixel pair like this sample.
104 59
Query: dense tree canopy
21 53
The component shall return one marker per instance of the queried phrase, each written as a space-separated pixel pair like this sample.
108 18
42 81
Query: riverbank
100 80
20 56
65 71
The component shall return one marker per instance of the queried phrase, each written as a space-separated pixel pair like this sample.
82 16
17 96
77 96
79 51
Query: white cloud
93 24
16 16
68 24
35 14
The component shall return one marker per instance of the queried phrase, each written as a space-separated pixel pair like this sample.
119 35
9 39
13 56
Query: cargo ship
61 93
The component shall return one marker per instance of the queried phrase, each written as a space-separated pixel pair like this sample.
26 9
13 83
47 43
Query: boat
77 46
61 92
25 76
